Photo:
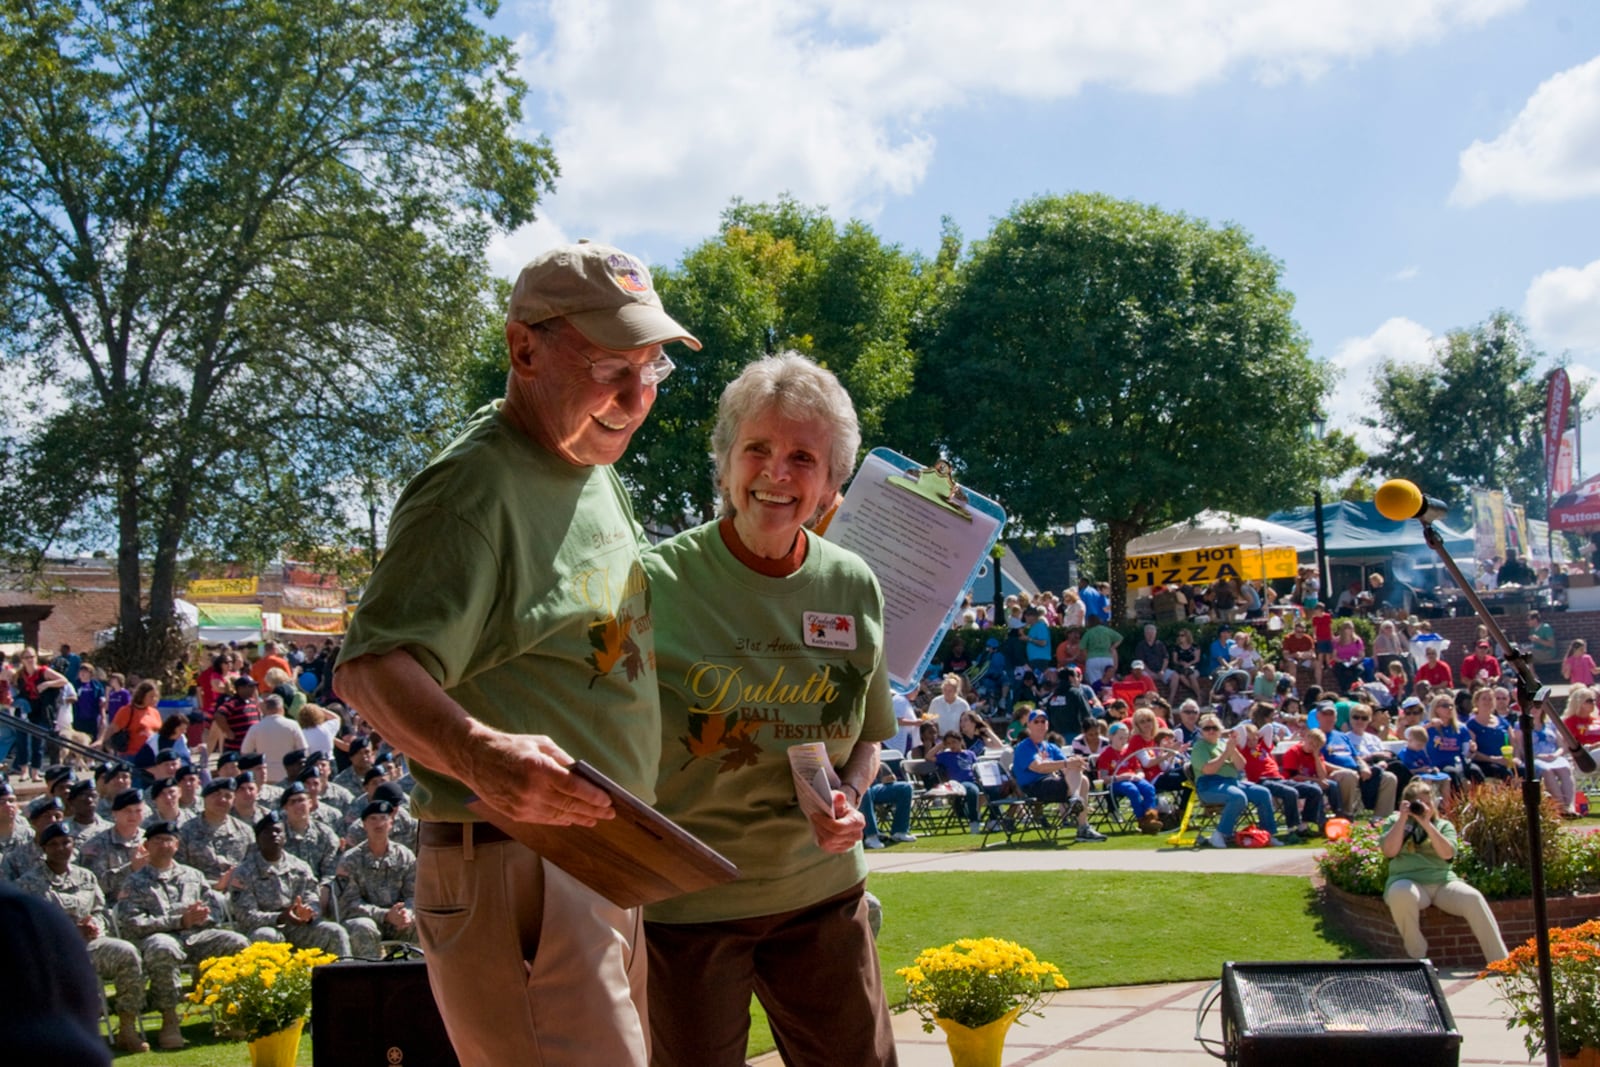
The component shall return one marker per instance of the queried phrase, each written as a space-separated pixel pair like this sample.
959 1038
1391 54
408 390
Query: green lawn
1100 928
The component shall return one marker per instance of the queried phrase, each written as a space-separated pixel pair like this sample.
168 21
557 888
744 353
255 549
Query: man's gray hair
272 702
797 389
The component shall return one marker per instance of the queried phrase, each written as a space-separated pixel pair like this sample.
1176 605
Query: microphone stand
1527 691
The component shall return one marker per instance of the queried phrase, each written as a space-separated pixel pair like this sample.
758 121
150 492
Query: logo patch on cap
627 273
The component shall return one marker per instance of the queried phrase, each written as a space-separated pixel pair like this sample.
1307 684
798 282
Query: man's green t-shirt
514 579
1543 639
750 665
1419 862
1099 642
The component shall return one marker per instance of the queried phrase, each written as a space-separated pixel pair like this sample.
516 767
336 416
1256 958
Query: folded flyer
814 778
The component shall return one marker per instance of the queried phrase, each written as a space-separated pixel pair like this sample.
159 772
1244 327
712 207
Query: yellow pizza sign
1202 566
223 587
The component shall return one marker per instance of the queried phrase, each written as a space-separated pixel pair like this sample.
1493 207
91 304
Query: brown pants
815 971
529 967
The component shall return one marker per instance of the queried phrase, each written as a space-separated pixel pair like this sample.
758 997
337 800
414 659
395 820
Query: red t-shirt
1297 763
1153 771
1322 626
1584 728
1110 762
259 669
1259 764
1475 663
1435 674
1298 643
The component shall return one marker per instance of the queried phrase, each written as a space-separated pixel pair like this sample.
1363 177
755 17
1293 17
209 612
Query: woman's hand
840 833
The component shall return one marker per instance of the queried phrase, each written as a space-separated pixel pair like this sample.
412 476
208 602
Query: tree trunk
1118 534
130 612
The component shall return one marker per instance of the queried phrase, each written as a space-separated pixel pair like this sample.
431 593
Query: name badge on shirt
826 630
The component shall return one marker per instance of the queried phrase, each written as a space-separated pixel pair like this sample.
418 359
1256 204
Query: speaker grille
1312 1001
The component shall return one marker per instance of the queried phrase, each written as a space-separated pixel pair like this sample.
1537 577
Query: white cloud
1405 274
1551 150
509 252
661 112
1562 307
1398 339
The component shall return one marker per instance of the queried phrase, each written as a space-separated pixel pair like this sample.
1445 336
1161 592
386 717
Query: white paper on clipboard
924 556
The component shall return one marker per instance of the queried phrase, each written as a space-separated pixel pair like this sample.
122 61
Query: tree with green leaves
1104 359
241 246
1471 416
775 277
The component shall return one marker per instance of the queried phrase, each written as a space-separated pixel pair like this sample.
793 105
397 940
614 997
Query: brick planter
1450 940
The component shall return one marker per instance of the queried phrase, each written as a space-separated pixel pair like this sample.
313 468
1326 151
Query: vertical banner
1488 523
1556 401
1566 457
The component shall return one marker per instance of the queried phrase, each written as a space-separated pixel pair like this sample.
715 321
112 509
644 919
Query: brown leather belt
449 834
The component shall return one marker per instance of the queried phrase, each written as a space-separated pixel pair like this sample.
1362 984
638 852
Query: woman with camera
1420 847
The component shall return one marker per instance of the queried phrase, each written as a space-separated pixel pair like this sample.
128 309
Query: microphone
1399 500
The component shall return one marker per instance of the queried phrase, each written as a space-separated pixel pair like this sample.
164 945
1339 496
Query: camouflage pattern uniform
318 846
404 832
109 857
261 891
81 832
212 850
369 886
78 893
152 914
268 795
182 819
340 797
23 858
329 814
196 809
348 781
20 837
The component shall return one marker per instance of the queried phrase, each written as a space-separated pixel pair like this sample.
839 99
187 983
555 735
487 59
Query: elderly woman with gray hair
766 637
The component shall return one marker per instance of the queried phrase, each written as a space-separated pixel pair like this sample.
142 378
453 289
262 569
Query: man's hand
140 858
525 777
196 914
89 928
298 912
840 833
222 882
398 916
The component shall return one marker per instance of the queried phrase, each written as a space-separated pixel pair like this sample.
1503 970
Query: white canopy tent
1213 528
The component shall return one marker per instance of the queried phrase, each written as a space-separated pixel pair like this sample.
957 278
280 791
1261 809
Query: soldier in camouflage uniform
113 854
247 806
164 806
174 916
325 812
14 831
406 827
189 798
337 795
81 821
310 840
352 777
275 896
254 766
75 890
42 812
109 780
377 885
213 843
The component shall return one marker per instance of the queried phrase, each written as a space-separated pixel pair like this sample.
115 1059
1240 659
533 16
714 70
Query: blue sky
1415 164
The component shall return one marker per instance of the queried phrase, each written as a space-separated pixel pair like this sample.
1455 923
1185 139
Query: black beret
230 756
314 758
251 761
359 743
294 755
81 787
160 784
41 805
53 831
165 755
270 819
293 789
159 827
126 799
392 793
377 807
215 784
57 773
307 773
375 772
185 771
102 771
5 788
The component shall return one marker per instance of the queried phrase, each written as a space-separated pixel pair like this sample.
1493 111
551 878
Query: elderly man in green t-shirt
506 632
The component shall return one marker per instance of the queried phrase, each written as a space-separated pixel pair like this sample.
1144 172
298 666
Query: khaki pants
529 967
1406 899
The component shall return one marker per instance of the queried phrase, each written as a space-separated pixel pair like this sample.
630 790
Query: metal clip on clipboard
936 484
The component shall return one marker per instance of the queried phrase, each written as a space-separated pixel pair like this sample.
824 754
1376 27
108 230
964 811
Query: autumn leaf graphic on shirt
727 737
612 638
848 682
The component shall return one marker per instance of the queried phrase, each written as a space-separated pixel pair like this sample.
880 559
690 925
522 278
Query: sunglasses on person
1210 729
1361 718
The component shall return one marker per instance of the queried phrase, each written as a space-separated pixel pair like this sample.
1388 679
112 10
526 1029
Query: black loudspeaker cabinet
1337 1014
376 1015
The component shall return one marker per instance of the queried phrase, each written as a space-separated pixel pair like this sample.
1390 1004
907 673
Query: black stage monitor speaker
376 1015
1337 1014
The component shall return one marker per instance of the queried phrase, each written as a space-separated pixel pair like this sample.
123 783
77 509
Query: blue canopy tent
1359 538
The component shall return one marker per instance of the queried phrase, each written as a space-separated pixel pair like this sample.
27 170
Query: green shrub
1356 863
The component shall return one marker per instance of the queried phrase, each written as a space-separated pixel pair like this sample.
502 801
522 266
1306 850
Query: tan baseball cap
603 291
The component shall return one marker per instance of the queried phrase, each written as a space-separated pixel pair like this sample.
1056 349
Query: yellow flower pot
980 1046
281 1048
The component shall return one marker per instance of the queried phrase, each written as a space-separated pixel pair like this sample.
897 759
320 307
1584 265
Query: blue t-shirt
1492 739
1340 752
957 766
1419 763
1448 747
1039 631
1094 604
1024 755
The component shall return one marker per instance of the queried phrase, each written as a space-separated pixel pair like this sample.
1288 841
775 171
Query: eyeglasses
1210 729
614 370
1361 718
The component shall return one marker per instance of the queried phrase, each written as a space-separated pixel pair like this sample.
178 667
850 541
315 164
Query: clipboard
927 539
637 858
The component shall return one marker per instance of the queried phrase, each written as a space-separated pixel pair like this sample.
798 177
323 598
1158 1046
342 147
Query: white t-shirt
273 736
949 712
319 738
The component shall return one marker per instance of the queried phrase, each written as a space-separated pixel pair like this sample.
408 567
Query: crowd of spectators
262 809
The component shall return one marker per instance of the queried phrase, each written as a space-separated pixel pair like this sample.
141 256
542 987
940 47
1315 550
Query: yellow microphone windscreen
1398 499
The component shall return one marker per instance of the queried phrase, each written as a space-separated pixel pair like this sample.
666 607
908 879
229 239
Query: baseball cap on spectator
603 291
244 681
1037 714
126 799
1410 702
161 827
53 831
216 784
1483 644
1118 728
993 642
5 788
1137 665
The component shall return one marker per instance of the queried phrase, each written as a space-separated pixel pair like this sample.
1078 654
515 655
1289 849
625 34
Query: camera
1415 807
